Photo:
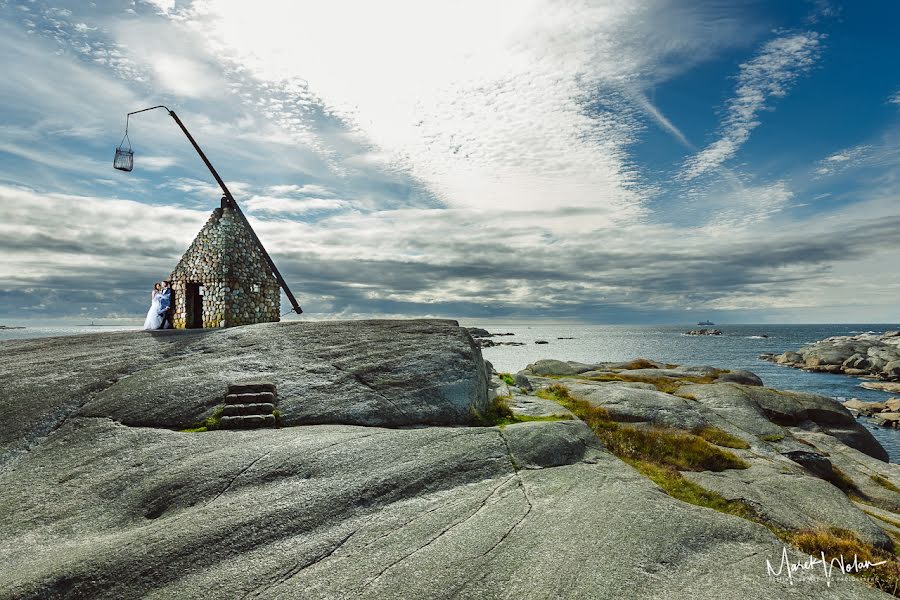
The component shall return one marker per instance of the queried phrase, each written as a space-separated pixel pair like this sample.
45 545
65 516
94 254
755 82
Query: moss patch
716 436
674 484
842 481
507 378
661 446
772 437
888 520
885 483
668 385
499 414
210 423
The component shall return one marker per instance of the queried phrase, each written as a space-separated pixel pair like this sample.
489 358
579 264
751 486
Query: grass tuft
885 483
841 544
772 437
674 484
716 436
210 423
499 414
507 378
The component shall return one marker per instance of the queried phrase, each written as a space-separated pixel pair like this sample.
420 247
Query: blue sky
613 162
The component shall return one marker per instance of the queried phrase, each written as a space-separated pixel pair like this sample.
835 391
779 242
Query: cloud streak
770 74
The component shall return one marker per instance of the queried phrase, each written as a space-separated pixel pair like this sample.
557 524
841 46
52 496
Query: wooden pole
234 205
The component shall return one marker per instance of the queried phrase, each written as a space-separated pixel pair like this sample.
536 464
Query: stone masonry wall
238 285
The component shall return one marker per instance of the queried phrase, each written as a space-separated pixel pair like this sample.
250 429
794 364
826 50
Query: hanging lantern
124 160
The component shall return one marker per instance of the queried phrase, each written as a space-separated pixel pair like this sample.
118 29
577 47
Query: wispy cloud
768 75
294 206
843 160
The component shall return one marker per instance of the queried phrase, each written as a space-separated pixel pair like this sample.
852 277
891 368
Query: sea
738 347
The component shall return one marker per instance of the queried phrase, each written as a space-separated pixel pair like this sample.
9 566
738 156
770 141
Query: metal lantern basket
124 160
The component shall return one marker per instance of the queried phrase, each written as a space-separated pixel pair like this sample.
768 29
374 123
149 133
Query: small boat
705 323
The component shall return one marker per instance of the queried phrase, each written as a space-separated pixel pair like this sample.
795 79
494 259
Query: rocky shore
869 355
402 467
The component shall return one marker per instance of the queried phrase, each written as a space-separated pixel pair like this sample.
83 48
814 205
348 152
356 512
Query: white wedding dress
154 319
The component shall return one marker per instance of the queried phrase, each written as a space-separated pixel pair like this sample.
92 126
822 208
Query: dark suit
165 308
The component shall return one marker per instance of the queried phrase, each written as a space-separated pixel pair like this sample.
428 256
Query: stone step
247 421
250 398
251 387
257 408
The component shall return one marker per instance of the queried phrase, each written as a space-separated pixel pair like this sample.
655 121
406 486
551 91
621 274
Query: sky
600 162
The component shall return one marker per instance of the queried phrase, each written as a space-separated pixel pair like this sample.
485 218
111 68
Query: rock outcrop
378 484
864 355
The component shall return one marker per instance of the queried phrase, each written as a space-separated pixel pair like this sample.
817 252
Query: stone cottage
223 279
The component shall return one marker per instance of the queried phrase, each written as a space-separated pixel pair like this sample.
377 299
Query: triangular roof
225 248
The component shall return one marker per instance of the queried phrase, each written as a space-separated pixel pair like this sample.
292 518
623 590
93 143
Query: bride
154 318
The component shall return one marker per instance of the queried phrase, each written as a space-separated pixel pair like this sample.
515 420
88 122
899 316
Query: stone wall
238 285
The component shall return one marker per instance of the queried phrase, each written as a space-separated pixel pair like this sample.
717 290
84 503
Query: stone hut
223 279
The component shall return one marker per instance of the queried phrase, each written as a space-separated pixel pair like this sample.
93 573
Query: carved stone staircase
249 405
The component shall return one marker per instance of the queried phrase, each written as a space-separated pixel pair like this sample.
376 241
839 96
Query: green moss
885 483
529 418
716 436
842 481
499 414
277 414
662 446
674 484
507 378
665 384
888 520
208 424
772 437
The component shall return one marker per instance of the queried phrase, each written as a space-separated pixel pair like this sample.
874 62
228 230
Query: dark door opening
193 298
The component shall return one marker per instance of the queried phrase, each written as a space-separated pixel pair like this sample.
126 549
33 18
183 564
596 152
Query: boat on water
705 323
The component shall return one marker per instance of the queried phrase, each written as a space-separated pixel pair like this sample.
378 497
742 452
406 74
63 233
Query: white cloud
768 75
156 163
294 206
299 190
895 98
520 106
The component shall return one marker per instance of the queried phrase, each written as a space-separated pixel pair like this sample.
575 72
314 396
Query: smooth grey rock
478 332
542 444
858 466
522 381
100 510
792 499
391 373
551 367
631 404
740 376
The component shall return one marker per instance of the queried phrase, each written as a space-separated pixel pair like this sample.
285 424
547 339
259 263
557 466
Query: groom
165 305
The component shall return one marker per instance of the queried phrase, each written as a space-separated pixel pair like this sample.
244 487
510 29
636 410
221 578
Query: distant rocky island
394 462
704 332
10 327
869 355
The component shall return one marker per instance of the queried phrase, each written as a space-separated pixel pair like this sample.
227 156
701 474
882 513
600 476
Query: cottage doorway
193 306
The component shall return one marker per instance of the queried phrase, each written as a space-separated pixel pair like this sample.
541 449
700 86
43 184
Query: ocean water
738 348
